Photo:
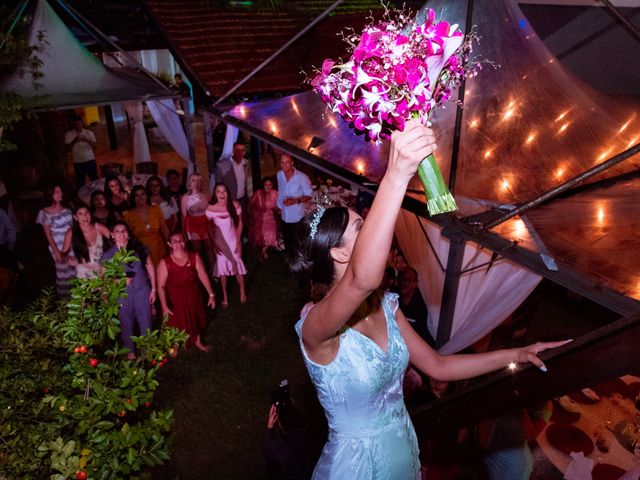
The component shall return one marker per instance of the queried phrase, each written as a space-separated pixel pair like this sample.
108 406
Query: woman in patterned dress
56 220
87 239
263 231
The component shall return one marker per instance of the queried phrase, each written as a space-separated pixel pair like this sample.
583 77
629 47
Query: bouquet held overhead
400 68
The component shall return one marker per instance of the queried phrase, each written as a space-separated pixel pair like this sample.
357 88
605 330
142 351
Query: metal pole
278 52
628 26
455 148
187 131
111 127
450 290
554 192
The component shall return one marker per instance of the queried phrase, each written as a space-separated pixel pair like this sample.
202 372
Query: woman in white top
86 238
158 196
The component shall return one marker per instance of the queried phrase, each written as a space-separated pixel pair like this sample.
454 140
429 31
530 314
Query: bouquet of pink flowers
399 69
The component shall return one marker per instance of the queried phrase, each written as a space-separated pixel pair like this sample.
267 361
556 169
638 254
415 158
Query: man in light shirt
294 191
81 142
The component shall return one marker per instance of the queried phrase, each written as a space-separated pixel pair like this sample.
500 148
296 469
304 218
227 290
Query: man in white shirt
294 191
233 172
81 142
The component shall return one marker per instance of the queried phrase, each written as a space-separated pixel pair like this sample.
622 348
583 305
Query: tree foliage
17 55
71 403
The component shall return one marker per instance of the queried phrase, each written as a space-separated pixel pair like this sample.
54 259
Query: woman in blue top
358 371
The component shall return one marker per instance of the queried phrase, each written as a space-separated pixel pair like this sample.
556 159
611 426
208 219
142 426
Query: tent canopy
527 127
73 76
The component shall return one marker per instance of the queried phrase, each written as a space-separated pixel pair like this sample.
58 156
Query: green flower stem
439 199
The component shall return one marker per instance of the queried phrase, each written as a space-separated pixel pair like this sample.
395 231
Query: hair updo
313 255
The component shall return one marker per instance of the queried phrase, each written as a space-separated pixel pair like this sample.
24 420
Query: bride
356 343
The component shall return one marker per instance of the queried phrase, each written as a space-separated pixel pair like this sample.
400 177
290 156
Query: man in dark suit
234 173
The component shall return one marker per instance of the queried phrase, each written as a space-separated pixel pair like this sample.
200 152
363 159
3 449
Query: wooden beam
598 356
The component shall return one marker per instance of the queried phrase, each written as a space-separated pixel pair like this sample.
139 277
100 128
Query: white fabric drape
165 115
230 138
140 143
486 296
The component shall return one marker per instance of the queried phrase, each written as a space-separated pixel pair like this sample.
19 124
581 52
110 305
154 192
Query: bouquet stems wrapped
439 199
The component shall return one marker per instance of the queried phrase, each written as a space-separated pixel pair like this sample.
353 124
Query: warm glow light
332 122
563 128
508 114
559 173
624 127
505 185
295 107
273 127
551 60
488 153
519 228
600 216
512 366
243 111
524 77
604 155
360 167
633 141
474 123
531 138
562 115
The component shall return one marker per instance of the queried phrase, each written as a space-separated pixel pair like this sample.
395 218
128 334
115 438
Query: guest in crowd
86 239
412 304
179 277
147 223
263 231
233 172
135 308
7 242
226 230
193 205
102 211
160 197
175 188
117 197
56 220
81 141
294 191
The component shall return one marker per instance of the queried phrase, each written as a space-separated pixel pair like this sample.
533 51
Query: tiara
315 222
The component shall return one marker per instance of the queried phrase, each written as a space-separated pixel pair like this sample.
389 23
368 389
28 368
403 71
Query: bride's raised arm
360 255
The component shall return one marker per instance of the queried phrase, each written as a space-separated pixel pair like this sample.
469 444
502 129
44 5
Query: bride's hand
409 148
529 354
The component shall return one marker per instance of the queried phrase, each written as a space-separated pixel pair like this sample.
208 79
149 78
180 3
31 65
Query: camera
281 398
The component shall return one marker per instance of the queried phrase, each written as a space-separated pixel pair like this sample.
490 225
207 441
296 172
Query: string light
360 167
633 141
243 111
488 153
562 129
604 155
600 215
474 123
624 127
295 107
332 122
512 366
519 228
509 111
532 136
562 115
559 173
505 185
273 127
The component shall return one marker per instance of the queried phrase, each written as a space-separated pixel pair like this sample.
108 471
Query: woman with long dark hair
115 194
355 341
263 231
226 233
56 220
135 308
101 209
86 239
159 196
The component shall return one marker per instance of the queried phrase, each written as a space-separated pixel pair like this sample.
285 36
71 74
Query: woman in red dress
179 275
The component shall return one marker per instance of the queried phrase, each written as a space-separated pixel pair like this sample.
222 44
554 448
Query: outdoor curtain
486 296
140 144
165 115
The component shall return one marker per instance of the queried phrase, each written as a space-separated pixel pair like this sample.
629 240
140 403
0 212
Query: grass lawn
221 398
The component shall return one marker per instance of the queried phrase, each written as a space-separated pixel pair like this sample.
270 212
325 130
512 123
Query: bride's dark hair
313 255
